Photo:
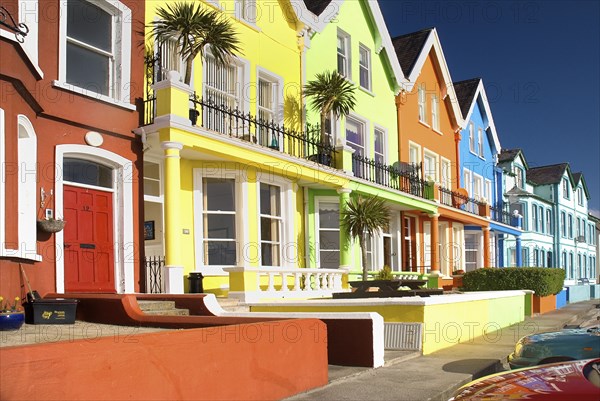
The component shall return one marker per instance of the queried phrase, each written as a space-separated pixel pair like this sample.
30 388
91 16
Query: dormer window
472 137
480 139
435 113
343 54
422 104
580 196
519 181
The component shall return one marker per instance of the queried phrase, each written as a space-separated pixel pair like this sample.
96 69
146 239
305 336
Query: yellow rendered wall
444 325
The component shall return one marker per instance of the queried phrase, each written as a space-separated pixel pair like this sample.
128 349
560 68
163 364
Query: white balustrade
306 283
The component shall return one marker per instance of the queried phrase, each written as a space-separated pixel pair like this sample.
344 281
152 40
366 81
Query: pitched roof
465 94
507 155
547 174
408 48
317 6
577 177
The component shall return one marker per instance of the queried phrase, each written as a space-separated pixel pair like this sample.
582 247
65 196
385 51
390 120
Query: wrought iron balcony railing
230 121
458 201
501 216
403 177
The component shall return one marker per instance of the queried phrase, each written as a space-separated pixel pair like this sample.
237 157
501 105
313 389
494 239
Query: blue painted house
479 174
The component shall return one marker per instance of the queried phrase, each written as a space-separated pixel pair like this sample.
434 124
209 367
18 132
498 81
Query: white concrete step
162 308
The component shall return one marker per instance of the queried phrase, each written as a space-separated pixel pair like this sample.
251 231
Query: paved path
437 376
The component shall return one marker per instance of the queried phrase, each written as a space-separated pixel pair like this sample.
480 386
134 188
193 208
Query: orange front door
88 241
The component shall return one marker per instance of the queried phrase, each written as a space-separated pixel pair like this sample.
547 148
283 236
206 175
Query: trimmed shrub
544 281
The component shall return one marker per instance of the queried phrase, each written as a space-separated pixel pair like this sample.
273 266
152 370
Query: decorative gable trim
433 43
491 128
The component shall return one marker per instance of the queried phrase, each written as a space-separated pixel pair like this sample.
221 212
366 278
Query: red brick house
68 91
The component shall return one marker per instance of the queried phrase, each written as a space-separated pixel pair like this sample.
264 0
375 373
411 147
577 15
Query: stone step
161 308
168 312
232 305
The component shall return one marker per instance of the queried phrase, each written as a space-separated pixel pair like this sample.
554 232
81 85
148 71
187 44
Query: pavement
409 376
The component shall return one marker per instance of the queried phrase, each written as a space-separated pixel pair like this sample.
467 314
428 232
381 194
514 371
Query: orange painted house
429 125
68 90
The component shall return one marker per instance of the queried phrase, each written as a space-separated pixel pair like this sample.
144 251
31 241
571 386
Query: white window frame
472 137
414 148
347 56
580 196
487 191
468 181
362 49
242 232
435 112
480 142
570 225
364 126
445 173
563 224
477 187
422 93
436 160
288 252
121 81
277 95
549 221
152 198
171 60
565 188
27 189
318 201
383 155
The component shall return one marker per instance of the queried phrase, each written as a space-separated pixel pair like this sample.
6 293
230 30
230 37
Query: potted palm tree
330 93
362 217
194 28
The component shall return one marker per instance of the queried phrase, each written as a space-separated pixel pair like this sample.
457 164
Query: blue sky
540 63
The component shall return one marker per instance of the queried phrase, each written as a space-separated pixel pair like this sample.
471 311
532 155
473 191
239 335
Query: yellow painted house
227 162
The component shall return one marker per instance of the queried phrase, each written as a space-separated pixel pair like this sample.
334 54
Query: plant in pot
360 218
11 315
457 278
51 225
195 28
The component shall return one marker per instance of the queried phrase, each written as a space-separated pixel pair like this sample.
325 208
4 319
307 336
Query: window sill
424 123
249 24
367 91
437 131
93 95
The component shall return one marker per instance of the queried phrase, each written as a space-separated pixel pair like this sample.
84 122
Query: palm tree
194 28
362 217
331 93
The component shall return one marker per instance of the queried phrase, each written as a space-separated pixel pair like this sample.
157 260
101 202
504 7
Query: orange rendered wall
543 305
262 361
411 129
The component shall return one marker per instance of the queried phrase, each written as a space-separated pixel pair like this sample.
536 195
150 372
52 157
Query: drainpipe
457 138
306 229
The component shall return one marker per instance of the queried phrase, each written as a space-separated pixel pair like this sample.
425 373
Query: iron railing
458 201
233 122
402 177
500 215
153 266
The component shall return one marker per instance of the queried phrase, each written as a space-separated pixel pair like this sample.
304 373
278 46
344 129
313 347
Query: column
519 253
435 239
172 226
500 250
344 194
486 247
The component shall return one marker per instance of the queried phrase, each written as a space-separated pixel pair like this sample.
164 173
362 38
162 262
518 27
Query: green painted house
351 37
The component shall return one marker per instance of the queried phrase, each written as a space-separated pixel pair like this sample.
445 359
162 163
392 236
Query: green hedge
544 281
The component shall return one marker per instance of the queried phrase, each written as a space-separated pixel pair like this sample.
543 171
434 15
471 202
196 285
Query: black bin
195 279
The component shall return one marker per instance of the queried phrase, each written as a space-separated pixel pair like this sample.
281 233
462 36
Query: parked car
556 346
562 381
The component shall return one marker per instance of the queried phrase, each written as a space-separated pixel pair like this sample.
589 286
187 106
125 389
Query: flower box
50 311
51 226
11 320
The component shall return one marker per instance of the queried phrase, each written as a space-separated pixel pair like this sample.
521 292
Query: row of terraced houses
157 179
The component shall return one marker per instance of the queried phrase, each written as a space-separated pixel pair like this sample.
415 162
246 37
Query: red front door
88 241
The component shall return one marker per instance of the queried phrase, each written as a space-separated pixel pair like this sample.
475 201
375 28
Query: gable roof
551 174
508 155
419 46
467 94
408 47
317 6
309 12
578 177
